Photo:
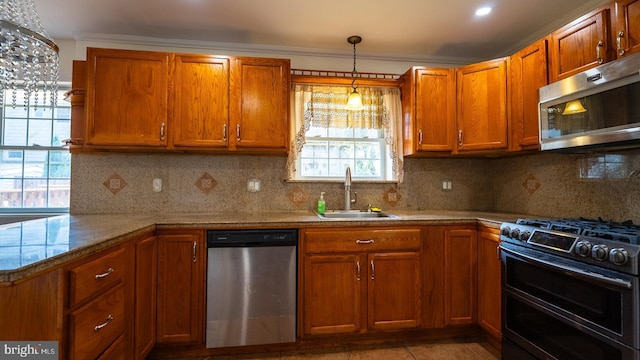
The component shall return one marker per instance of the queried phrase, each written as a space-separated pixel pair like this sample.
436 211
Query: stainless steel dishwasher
251 287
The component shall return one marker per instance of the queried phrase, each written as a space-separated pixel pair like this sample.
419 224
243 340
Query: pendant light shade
28 55
355 99
573 107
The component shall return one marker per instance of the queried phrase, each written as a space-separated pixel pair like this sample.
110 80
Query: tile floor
411 351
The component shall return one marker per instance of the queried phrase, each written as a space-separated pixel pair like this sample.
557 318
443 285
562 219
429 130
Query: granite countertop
34 246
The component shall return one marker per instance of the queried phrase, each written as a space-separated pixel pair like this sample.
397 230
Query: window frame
49 149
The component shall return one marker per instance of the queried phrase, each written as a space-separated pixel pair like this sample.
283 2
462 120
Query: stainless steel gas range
570 289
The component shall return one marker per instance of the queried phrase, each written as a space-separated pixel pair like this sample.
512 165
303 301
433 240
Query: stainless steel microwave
598 108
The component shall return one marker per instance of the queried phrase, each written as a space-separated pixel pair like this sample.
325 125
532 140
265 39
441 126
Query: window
328 138
35 169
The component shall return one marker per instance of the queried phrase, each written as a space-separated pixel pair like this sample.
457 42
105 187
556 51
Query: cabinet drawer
95 326
360 239
89 278
117 351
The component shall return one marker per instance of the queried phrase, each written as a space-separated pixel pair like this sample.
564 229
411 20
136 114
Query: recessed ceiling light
483 11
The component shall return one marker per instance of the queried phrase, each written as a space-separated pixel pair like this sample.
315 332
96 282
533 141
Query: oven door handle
579 272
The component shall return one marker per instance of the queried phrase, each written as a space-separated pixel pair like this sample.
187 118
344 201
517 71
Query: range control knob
506 231
583 248
515 233
524 236
618 256
600 252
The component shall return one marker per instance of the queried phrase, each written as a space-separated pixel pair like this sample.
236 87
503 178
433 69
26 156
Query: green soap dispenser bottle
321 205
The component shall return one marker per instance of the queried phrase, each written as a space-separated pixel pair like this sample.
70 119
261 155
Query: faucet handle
368 208
355 197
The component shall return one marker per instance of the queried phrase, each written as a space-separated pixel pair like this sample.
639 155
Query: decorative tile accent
297 196
392 197
531 184
114 183
206 183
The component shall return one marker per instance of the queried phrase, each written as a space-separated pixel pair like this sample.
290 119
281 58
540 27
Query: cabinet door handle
420 137
162 131
619 43
105 274
238 132
460 137
195 245
598 49
224 132
498 253
370 241
105 323
373 270
358 270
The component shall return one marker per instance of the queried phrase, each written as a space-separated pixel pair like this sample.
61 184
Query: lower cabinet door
332 294
394 290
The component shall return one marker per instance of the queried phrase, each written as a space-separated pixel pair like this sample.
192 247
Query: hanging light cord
354 73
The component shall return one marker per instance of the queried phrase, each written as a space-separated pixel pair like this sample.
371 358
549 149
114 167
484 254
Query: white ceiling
425 30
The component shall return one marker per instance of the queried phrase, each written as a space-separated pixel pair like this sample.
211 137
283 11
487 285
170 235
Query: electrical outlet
447 185
253 185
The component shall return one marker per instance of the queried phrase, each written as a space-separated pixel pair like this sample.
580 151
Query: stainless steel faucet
347 191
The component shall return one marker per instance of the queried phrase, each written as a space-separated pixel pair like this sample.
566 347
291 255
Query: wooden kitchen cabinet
332 289
450 281
181 286
146 257
127 99
428 106
580 45
482 106
528 72
489 298
76 96
259 110
627 27
460 277
201 108
358 280
97 303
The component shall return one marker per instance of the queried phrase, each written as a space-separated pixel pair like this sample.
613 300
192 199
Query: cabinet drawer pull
99 327
237 132
370 241
420 137
162 131
598 49
358 270
619 43
373 271
105 274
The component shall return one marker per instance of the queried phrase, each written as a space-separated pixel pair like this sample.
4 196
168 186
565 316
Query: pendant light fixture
355 99
28 55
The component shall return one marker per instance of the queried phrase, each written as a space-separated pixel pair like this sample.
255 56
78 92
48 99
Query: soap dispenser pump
321 204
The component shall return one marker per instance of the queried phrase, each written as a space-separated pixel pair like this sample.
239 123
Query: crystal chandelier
28 55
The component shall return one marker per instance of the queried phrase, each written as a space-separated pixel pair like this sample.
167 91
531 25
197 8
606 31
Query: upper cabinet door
429 110
528 74
260 98
127 97
627 30
580 45
482 105
201 109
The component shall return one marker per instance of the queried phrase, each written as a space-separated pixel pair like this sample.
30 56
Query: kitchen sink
353 214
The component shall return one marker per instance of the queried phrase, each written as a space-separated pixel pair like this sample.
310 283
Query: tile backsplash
536 184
